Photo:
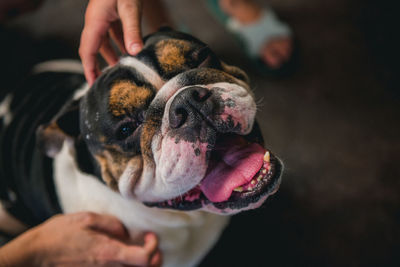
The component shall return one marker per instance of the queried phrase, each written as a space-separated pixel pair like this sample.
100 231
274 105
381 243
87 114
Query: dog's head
174 127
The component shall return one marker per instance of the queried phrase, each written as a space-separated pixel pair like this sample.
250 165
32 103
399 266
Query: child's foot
265 37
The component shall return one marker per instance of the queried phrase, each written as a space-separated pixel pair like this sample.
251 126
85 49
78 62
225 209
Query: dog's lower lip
263 183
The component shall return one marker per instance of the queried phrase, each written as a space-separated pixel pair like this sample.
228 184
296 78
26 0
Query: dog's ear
50 137
235 72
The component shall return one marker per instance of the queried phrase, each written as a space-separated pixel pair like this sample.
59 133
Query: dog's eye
125 130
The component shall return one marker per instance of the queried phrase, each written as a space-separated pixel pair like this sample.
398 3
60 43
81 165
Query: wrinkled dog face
175 128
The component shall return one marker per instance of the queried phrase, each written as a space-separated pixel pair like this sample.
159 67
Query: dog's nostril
178 118
189 106
201 94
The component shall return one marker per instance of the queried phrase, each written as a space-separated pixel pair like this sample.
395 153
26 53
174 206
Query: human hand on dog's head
80 239
118 19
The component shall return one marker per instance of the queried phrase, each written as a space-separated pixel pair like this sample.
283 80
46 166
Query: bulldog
166 141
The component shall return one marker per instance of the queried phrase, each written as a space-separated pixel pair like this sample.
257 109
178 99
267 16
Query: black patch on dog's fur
23 169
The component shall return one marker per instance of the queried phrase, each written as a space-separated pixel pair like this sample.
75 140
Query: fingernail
135 48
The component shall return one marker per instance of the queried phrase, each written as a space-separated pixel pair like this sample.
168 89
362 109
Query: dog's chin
241 175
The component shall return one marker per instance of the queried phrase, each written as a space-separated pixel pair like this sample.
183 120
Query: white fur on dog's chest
185 237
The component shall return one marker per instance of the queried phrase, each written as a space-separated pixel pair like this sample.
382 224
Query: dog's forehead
121 87
172 54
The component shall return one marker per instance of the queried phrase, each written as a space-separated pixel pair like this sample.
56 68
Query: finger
91 71
107 51
278 56
103 223
279 51
141 256
130 14
281 47
150 242
286 43
156 260
91 39
117 35
270 57
114 251
131 255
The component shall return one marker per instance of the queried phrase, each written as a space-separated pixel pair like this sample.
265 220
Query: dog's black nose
189 106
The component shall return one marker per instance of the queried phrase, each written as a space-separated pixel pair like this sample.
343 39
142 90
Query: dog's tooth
238 189
249 188
264 171
267 156
259 178
253 182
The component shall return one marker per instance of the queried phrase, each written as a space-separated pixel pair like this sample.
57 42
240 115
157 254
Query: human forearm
19 251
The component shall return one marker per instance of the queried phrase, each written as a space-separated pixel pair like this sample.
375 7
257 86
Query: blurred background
334 123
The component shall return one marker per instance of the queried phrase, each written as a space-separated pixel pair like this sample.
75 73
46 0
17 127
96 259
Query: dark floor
335 125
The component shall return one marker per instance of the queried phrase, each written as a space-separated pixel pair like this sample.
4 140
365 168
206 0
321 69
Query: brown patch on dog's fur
149 129
125 96
112 166
171 54
102 139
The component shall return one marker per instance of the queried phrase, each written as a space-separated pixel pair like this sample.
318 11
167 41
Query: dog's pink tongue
237 167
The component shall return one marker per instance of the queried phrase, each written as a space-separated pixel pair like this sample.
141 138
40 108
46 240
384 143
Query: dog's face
175 128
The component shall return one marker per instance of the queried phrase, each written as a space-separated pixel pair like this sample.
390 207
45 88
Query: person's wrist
21 251
4 258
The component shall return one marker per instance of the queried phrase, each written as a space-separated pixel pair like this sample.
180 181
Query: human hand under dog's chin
80 239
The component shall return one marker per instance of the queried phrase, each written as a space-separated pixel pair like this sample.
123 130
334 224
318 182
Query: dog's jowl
166 141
